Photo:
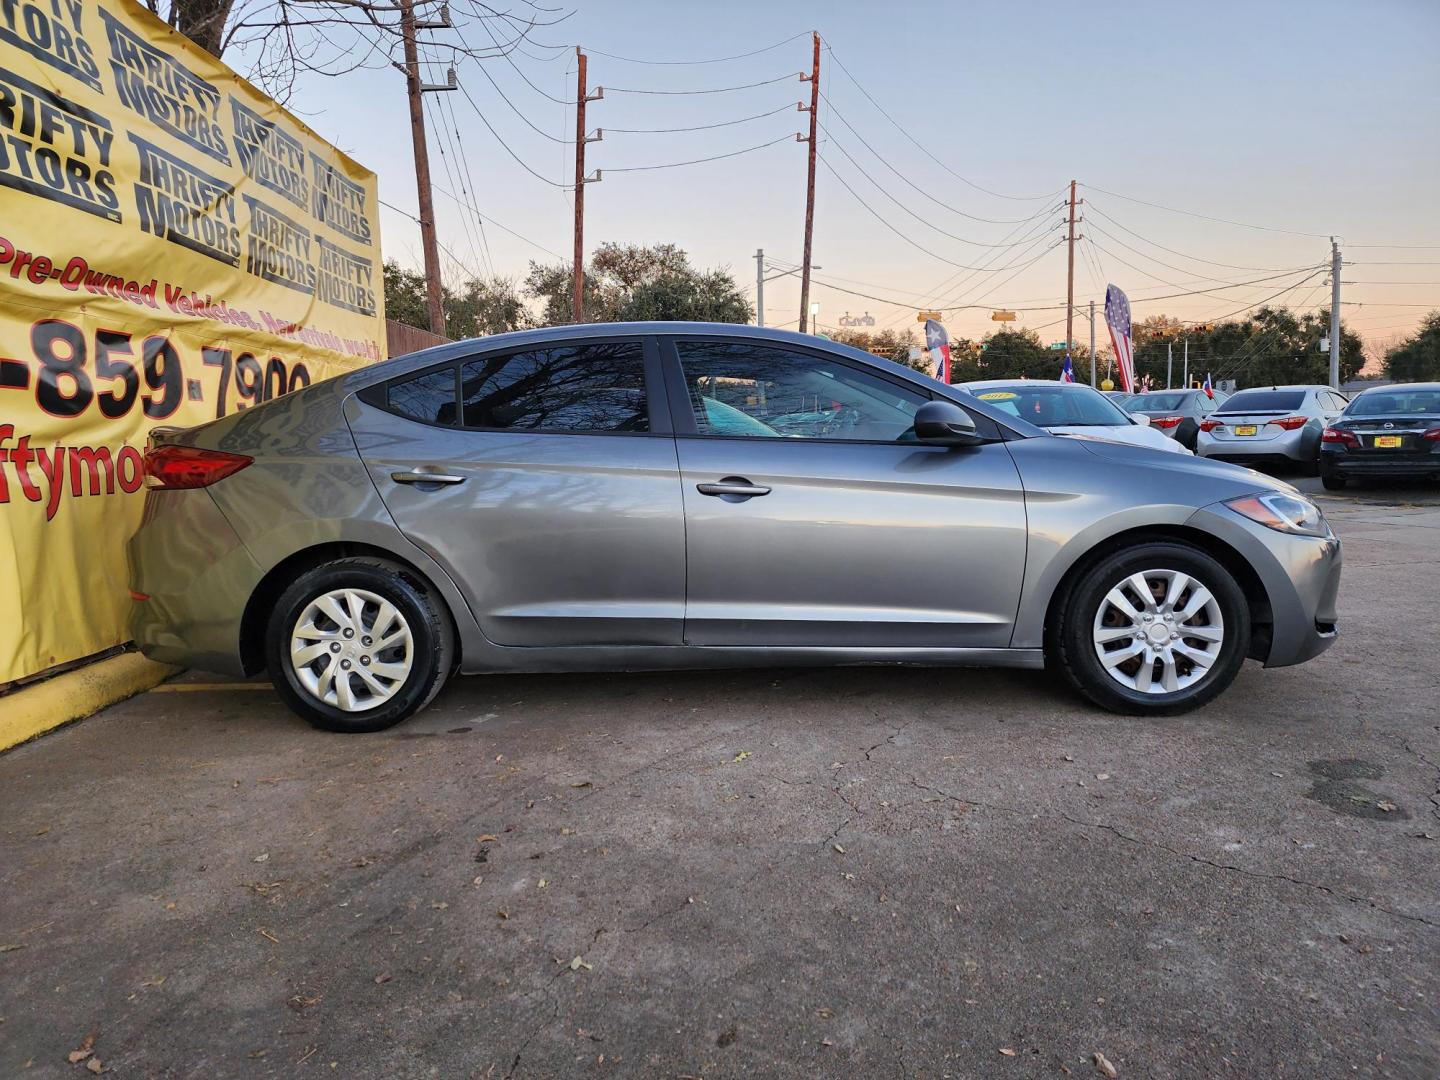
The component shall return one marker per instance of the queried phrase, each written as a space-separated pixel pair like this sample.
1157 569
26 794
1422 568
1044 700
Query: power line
469 206
698 127
874 213
921 146
511 61
882 189
1203 217
698 161
713 90
516 110
504 145
697 63
885 161
1090 206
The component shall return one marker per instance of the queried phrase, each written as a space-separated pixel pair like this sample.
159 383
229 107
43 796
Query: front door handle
735 486
424 476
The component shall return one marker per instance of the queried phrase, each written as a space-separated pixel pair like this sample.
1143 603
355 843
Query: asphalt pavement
843 873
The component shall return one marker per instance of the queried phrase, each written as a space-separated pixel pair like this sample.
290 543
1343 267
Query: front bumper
1300 575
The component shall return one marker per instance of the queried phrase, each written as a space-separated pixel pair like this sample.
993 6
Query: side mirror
1141 419
943 423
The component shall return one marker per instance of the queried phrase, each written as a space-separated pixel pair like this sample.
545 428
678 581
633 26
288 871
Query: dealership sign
174 246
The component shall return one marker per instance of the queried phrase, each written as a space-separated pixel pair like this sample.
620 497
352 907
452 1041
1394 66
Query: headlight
1284 513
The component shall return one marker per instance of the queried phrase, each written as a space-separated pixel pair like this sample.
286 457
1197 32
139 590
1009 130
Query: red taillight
1340 436
1210 425
1290 423
1433 435
1166 421
174 467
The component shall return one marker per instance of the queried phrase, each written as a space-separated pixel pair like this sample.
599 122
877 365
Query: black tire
1331 482
1071 645
432 641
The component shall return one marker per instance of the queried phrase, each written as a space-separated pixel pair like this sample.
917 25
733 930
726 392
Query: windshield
1265 401
1395 402
1158 402
1055 406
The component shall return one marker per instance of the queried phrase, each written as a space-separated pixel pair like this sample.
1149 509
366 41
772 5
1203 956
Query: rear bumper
1299 446
1379 467
196 576
1300 575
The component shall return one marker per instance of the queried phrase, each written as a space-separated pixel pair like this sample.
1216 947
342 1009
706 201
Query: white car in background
1071 409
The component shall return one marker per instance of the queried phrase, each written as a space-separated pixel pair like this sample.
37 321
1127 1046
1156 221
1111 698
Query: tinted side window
429 397
594 387
764 392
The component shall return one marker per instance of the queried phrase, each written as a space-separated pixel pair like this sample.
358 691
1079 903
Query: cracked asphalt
847 873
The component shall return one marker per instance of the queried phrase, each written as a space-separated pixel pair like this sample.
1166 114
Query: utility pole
582 98
1070 278
414 87
1334 314
759 286
1187 363
814 111
1169 364
1092 343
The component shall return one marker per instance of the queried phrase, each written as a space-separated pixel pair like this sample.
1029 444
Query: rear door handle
733 486
423 476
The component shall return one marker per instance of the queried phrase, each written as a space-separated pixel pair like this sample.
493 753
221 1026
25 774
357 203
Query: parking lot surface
859 872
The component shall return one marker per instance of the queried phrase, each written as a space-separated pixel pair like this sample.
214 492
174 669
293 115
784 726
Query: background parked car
1176 413
1272 425
1069 409
1386 432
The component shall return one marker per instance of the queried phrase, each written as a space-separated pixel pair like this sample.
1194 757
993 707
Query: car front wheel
1159 628
358 644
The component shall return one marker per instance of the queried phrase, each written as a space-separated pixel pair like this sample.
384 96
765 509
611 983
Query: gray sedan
677 495
1271 425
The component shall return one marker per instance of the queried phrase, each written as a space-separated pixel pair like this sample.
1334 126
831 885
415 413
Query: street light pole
1334 314
1092 342
759 286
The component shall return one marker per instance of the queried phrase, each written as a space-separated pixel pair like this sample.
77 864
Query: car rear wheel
1159 628
1331 482
358 644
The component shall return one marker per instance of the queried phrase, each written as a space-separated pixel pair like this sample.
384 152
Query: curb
40 707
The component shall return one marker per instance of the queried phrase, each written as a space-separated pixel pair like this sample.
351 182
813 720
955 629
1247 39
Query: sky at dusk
1307 118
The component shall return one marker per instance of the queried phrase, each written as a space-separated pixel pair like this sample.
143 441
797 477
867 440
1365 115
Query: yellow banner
173 246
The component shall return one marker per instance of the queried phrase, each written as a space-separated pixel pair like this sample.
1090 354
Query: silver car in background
678 495
1271 425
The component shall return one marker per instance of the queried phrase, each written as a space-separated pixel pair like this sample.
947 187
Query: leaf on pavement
741 756
1007 1051
578 963
1102 1064
382 978
81 1052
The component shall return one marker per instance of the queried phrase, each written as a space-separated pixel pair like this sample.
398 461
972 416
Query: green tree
626 282
1418 358
477 307
1017 354
891 344
1268 347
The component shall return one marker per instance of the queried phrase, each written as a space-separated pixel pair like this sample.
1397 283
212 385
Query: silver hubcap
351 649
1158 631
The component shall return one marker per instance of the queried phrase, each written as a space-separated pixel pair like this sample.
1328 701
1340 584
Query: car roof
1427 387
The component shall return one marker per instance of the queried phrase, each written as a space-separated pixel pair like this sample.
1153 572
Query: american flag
938 342
1209 387
1117 317
1067 373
